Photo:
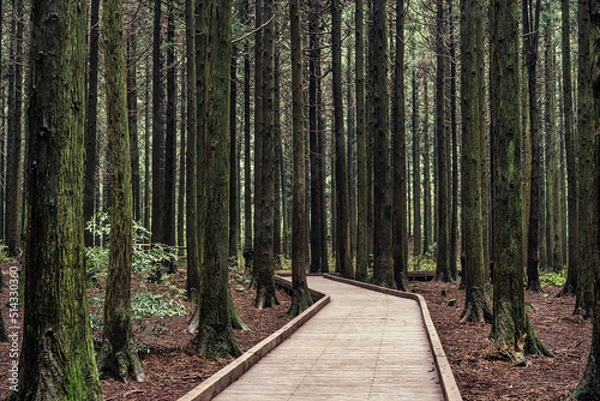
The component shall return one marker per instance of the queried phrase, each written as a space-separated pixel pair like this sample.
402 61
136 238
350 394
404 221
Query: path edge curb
446 376
218 382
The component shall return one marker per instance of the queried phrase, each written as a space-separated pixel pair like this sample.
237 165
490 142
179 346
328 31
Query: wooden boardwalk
364 345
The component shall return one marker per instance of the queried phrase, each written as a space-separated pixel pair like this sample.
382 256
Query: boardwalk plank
362 346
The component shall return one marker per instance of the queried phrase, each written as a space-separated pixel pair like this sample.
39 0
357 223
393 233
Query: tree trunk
234 176
474 269
215 334
191 190
383 265
362 241
318 225
586 129
589 386
427 201
442 143
343 249
264 205
417 232
400 201
247 153
570 286
57 359
158 133
511 329
132 107
118 356
91 156
453 152
13 156
301 299
168 210
531 17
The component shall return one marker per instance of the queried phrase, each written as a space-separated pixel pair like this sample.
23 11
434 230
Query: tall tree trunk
351 146
264 205
553 180
215 334
247 153
589 386
57 359
147 140
442 190
132 106
193 135
118 357
474 268
570 146
362 241
343 249
91 153
511 329
278 162
453 152
181 176
168 210
158 133
14 149
400 201
427 200
234 176
383 265
417 233
586 129
531 18
318 250
301 299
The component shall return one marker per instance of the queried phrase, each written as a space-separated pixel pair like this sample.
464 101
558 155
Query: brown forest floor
172 369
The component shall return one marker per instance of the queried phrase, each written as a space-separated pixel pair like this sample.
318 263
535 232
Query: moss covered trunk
474 270
589 386
383 263
510 327
118 357
301 299
215 333
57 362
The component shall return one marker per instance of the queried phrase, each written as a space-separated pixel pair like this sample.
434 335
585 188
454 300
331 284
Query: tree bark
168 210
343 248
511 329
586 129
158 132
13 157
400 201
301 299
362 241
118 356
215 334
474 269
570 286
91 156
57 359
383 265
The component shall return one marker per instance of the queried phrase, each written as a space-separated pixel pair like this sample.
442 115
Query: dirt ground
479 373
172 369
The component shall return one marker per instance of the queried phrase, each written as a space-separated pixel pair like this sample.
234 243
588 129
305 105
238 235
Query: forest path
364 345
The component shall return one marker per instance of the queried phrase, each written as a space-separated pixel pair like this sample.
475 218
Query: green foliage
552 278
421 263
150 260
5 256
148 304
145 304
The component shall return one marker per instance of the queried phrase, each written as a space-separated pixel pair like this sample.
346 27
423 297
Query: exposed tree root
477 308
120 364
301 301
